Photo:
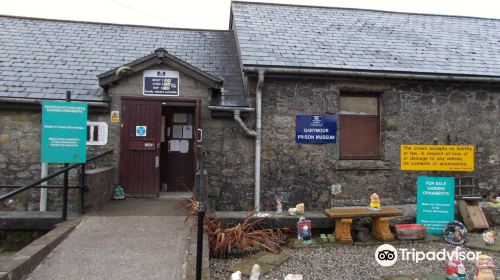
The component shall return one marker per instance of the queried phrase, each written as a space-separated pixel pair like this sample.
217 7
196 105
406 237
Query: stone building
389 78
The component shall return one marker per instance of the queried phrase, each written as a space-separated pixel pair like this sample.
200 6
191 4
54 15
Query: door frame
197 113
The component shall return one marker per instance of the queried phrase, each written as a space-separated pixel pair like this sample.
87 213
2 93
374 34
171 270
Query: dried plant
242 237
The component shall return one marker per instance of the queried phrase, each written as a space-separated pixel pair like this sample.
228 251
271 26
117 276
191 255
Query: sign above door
161 83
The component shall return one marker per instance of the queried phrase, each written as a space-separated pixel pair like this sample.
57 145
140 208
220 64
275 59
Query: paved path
131 239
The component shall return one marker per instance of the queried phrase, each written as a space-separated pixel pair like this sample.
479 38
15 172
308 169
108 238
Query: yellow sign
115 116
437 158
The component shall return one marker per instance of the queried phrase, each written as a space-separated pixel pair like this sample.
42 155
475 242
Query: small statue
298 210
293 277
236 275
374 202
484 268
279 208
255 273
304 229
455 269
489 237
118 193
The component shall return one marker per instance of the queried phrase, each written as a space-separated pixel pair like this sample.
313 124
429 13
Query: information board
64 132
437 158
312 129
161 83
435 202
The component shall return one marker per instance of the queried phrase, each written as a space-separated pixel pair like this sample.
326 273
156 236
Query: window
359 127
97 133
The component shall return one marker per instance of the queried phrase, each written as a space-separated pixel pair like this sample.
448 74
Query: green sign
435 202
64 132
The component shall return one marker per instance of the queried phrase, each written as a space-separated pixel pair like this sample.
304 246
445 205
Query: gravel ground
348 262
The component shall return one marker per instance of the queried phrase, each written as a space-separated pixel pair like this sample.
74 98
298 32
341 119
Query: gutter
365 74
30 101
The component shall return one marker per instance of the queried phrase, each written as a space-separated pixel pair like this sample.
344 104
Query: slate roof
44 58
338 38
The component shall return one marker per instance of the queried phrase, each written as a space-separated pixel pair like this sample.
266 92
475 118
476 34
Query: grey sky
214 14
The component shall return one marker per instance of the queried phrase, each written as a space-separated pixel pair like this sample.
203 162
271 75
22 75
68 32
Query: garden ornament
255 273
374 202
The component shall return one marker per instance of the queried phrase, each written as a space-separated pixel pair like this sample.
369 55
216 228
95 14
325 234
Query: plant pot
361 234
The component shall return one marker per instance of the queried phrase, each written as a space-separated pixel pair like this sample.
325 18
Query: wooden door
139 152
178 153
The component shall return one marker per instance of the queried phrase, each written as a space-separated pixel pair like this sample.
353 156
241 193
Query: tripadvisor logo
387 255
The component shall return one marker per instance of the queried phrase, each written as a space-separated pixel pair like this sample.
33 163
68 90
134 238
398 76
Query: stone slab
270 258
29 220
266 260
478 243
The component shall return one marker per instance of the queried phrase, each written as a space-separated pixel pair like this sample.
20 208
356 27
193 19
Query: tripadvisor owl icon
386 255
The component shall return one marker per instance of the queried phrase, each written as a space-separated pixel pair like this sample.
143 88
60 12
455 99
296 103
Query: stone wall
412 113
100 188
20 134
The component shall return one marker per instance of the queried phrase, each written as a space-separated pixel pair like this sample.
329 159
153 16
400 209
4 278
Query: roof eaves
159 57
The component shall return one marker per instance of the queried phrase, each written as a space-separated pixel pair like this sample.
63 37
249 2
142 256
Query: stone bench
381 219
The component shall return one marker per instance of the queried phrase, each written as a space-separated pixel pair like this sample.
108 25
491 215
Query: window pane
359 105
359 137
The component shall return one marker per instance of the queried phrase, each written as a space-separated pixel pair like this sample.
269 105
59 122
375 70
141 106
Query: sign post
435 202
64 136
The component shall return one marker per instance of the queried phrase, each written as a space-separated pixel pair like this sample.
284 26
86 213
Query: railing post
65 194
82 190
201 218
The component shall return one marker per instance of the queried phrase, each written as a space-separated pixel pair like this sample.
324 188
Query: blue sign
316 129
435 202
141 130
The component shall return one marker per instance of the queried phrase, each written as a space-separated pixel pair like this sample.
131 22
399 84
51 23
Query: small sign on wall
437 158
115 116
141 131
319 129
161 83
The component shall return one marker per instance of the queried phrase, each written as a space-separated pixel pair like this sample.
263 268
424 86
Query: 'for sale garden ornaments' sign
64 132
435 202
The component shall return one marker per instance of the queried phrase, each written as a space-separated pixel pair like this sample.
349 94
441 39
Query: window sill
362 165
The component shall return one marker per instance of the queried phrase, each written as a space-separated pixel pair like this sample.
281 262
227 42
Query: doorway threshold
175 195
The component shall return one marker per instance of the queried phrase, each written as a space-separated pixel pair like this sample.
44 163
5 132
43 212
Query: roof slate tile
339 38
54 56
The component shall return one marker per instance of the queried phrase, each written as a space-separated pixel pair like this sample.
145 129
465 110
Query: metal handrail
64 170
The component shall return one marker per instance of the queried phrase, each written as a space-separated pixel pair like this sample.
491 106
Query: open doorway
177 149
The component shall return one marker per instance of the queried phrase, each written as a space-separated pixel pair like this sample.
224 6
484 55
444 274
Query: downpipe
258 136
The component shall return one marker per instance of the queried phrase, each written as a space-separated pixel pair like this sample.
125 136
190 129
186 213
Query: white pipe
258 130
43 192
230 109
242 124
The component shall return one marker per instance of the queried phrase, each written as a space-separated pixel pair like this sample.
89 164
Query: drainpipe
236 115
258 130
